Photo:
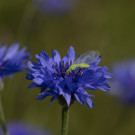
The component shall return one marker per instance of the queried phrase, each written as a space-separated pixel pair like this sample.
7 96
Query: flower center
63 68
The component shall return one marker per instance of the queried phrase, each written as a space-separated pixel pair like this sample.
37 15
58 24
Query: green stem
2 117
65 115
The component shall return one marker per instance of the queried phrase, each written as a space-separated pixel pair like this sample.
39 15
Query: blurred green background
106 26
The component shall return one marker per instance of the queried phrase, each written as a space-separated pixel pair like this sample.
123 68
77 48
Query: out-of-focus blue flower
50 75
123 82
12 60
19 128
55 6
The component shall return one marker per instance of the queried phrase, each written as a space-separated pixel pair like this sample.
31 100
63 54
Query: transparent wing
87 57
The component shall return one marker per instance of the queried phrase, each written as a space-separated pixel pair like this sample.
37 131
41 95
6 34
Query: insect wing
87 57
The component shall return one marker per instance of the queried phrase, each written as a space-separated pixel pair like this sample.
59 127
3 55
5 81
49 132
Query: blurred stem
1 87
2 117
65 116
122 120
26 21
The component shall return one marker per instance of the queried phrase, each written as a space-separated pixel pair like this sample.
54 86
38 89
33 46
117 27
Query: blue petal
104 87
67 97
89 102
89 87
41 60
38 81
70 56
2 51
43 95
53 98
45 55
90 76
108 75
11 51
79 98
56 56
32 85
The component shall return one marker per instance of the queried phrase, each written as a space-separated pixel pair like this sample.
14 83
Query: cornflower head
66 79
21 128
12 60
55 6
123 82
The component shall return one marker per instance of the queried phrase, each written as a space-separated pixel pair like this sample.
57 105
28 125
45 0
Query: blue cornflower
21 128
55 6
12 60
50 74
123 82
